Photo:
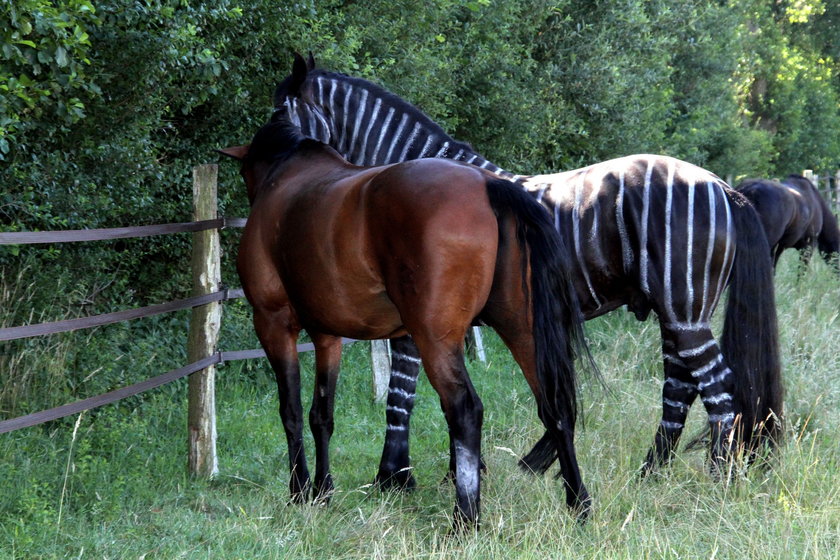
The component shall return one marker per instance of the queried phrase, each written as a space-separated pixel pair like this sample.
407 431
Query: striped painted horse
649 232
795 215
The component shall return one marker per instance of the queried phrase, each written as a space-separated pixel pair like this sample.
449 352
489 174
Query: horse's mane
277 141
389 99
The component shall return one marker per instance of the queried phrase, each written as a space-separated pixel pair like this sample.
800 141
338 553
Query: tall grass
117 488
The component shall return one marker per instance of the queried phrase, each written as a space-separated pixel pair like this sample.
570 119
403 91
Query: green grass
114 486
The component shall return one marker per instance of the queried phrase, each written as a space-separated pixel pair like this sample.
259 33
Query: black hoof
400 481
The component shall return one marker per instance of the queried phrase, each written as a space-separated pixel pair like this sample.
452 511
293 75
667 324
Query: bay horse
648 232
794 215
424 247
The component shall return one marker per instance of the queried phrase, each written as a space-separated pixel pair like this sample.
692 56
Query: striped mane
364 122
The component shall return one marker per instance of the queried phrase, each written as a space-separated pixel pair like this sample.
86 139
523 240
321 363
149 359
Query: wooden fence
206 304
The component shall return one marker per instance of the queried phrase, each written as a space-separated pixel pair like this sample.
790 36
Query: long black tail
828 240
750 338
557 319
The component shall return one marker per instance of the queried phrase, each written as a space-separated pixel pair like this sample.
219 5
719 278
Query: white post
204 328
475 345
380 363
837 191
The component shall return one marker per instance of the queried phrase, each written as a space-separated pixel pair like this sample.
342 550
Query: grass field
112 483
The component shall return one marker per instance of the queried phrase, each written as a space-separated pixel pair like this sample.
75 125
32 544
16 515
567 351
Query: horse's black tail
750 338
828 240
557 319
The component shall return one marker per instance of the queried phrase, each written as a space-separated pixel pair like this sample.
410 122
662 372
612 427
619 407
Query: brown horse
424 247
795 215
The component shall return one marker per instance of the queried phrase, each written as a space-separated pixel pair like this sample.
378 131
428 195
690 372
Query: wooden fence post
380 364
204 327
475 345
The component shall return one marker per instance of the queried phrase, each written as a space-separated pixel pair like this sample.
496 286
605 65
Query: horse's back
632 221
777 208
432 229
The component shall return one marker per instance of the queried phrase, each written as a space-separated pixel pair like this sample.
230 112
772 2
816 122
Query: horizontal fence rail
68 236
129 391
105 234
40 329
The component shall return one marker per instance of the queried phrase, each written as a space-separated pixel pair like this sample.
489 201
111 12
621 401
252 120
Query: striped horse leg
395 465
678 393
700 355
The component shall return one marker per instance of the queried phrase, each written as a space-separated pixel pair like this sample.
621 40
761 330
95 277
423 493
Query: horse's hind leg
512 327
693 349
443 359
395 466
278 337
678 393
327 363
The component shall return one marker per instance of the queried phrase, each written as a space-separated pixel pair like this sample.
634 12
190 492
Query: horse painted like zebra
649 232
795 215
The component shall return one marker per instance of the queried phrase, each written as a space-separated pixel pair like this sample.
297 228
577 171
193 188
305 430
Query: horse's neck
367 129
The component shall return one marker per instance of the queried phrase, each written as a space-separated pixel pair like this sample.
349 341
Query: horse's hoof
400 481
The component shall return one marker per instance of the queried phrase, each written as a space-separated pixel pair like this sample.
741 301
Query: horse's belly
336 309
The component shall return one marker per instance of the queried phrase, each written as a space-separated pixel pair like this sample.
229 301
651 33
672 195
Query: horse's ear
299 71
235 152
310 62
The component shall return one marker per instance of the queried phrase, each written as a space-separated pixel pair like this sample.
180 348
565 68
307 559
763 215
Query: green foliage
43 64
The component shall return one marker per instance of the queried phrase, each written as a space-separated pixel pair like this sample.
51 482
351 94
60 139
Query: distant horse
425 248
650 232
794 215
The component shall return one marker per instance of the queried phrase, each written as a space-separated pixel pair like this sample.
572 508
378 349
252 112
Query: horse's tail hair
828 240
750 338
557 319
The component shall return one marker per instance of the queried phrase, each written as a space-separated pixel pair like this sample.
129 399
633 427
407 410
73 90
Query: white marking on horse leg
710 365
677 384
406 357
717 399
725 420
466 470
675 404
719 378
697 350
403 376
402 392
